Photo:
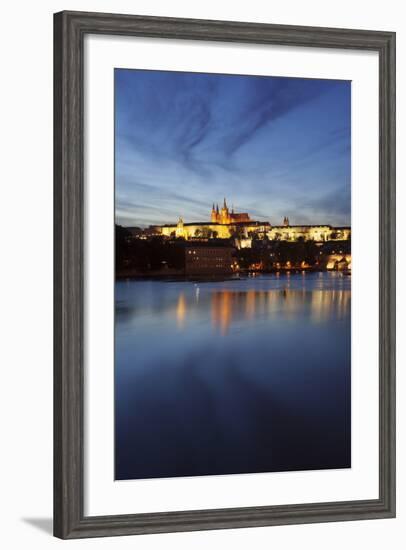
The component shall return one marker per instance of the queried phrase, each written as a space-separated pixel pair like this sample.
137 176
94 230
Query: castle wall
196 230
306 232
320 233
225 224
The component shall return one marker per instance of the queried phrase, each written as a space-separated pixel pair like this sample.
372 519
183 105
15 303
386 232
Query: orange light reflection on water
227 306
181 310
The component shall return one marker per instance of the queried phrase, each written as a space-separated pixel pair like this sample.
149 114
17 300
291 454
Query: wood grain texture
69 30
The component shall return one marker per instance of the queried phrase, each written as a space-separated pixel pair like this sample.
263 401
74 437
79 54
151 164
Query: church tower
213 217
180 231
225 216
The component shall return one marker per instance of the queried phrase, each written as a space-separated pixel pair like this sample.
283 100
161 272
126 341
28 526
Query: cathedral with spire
227 217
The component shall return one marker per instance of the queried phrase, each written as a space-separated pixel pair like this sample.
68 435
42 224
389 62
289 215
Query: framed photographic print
224 274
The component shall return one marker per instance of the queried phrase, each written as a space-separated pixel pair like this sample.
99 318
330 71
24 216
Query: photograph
232 274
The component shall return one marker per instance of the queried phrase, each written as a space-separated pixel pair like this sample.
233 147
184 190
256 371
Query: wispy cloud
184 140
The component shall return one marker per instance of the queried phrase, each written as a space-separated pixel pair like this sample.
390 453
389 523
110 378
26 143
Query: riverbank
174 274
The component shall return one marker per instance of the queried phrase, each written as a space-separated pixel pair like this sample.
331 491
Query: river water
234 376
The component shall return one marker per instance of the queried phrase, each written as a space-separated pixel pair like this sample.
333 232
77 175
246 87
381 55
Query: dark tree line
147 255
158 253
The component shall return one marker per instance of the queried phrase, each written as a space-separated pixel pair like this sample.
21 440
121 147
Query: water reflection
239 381
228 306
181 310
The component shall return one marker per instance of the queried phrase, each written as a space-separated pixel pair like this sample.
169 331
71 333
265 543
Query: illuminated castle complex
225 224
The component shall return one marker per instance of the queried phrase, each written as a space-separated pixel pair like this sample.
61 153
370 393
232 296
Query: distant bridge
338 261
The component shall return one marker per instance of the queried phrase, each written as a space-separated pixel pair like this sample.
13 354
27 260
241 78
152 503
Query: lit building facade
318 233
225 223
210 260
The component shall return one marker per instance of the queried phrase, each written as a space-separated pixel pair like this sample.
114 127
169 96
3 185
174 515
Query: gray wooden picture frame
69 31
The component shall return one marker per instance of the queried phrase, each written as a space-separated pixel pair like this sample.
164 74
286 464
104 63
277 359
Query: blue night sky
273 146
